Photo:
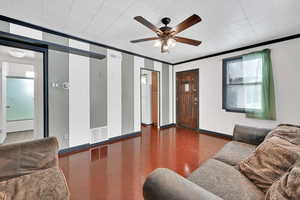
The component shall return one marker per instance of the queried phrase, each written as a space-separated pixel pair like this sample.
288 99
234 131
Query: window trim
224 85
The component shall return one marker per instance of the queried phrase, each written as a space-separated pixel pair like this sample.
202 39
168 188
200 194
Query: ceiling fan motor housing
166 20
165 29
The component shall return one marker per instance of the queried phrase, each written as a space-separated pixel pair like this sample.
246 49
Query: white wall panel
15 126
79 96
138 64
26 32
20 70
114 90
171 94
158 67
3 126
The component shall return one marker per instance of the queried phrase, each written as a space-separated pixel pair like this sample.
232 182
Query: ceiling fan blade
148 24
144 39
187 41
190 21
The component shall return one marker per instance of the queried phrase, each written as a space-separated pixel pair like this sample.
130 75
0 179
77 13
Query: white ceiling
226 24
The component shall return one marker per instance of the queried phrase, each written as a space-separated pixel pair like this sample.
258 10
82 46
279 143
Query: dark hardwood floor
117 171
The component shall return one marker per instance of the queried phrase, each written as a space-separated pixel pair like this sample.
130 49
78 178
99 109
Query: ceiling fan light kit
157 43
166 36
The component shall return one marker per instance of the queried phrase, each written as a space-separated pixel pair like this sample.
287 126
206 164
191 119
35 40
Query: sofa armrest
27 157
164 184
249 135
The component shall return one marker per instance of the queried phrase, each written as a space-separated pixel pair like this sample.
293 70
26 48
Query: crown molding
29 25
47 30
291 37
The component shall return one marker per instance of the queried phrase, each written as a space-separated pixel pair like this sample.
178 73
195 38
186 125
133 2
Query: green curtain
268 111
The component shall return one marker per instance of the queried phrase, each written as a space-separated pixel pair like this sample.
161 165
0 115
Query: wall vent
99 134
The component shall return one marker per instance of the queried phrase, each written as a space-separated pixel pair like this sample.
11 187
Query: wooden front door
154 98
187 110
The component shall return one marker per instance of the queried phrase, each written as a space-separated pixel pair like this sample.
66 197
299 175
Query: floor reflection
117 171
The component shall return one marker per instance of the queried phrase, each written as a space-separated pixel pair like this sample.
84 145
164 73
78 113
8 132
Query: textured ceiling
226 24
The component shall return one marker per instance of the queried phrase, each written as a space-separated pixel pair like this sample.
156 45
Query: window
242 84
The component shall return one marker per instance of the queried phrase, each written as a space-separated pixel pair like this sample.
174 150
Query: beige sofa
30 171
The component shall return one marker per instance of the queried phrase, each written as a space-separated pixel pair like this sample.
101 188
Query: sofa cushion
27 157
225 181
270 161
164 184
45 184
287 187
234 152
250 135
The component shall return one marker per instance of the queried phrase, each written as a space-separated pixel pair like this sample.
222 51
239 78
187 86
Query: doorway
150 97
22 95
187 94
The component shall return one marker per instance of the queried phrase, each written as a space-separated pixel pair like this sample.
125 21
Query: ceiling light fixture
165 44
17 53
165 48
171 42
157 43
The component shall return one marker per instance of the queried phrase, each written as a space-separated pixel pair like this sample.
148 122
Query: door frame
198 96
44 50
158 86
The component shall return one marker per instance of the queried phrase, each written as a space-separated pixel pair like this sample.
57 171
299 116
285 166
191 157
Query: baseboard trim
74 149
223 135
167 125
117 138
123 137
145 124
89 145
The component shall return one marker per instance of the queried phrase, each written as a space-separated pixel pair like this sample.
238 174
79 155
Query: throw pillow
287 132
270 161
287 187
3 196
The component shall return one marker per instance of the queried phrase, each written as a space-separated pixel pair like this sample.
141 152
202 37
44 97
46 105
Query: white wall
16 69
79 96
138 64
146 97
114 93
3 70
16 126
171 120
158 67
26 32
285 59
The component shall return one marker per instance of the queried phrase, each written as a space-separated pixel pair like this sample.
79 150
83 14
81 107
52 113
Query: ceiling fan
166 36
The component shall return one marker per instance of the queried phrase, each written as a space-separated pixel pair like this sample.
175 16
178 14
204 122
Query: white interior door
3 71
